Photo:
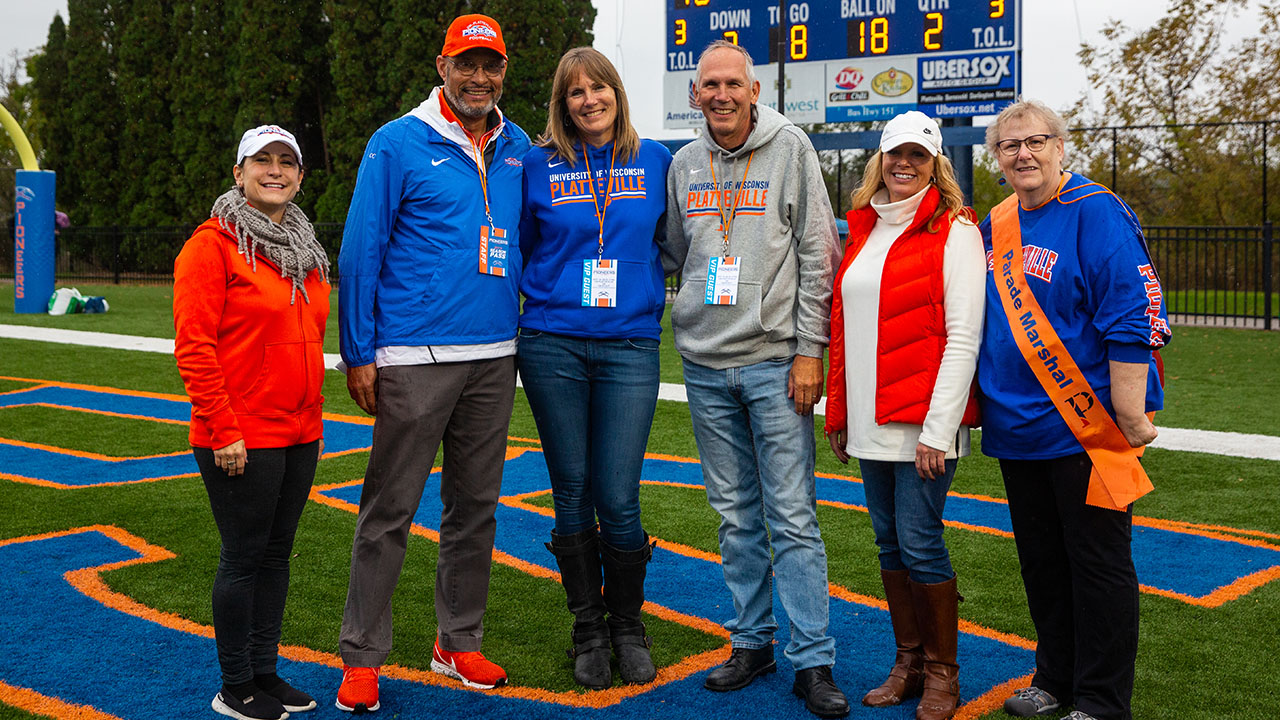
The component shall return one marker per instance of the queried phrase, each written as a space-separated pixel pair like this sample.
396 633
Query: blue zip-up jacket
559 230
409 264
1087 264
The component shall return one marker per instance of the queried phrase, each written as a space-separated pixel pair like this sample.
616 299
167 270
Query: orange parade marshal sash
1117 478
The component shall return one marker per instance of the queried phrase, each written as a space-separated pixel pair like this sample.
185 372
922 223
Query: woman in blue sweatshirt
590 236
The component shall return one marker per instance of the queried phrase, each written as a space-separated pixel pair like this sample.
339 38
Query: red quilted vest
913 330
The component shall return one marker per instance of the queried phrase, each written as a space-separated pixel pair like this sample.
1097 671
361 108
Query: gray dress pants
467 406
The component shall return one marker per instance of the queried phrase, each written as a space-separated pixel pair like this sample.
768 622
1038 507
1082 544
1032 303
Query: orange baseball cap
473 31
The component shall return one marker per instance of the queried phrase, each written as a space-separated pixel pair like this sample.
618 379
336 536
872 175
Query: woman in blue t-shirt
590 236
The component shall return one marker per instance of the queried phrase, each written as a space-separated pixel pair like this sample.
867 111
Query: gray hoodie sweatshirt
784 232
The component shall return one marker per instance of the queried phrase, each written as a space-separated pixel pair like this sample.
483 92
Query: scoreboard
854 60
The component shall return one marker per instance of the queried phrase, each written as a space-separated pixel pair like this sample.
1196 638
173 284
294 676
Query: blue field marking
693 586
1184 564
76 470
127 404
134 668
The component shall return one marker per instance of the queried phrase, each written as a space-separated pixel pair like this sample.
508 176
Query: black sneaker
258 706
1030 702
293 699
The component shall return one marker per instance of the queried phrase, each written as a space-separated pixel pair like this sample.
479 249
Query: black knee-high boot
578 556
624 572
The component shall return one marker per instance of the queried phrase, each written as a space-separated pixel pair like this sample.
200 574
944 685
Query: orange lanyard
586 156
484 180
727 224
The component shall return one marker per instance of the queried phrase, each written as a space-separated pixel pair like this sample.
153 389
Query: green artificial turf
1217 378
1227 302
145 310
11 385
1222 379
1200 663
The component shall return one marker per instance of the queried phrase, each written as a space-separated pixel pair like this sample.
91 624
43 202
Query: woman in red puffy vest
906 319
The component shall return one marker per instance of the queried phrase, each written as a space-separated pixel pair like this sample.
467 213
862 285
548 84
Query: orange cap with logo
473 31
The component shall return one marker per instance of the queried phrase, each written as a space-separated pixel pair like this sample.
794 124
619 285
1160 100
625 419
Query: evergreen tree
91 183
537 34
190 76
280 69
48 71
415 37
204 135
17 99
362 98
382 61
143 66
313 104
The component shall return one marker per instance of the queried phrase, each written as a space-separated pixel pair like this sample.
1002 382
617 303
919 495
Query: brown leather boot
938 615
906 678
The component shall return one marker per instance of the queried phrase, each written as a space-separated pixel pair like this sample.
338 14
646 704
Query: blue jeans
593 401
757 462
906 514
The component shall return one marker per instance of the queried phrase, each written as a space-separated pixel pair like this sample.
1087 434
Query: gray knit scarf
291 244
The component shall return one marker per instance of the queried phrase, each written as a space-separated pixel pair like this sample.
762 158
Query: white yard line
1263 447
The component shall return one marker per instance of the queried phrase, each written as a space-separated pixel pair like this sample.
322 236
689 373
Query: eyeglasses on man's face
1034 143
467 67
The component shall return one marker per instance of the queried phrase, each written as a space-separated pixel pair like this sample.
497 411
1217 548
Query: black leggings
257 515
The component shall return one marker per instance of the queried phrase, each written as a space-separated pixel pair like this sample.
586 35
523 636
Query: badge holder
722 280
493 251
600 283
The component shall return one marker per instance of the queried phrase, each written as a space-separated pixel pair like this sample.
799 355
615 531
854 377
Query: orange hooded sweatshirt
253 364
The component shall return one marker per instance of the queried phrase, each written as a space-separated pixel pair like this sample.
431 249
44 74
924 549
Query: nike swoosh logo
437 162
697 170
557 164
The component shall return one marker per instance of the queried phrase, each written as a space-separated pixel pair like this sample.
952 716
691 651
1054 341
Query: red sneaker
359 691
470 667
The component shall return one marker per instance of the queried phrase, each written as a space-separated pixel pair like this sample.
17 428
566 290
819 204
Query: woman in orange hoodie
250 301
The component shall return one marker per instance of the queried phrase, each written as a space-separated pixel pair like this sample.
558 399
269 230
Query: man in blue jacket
430 268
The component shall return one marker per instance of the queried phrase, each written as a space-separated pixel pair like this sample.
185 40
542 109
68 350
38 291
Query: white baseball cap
912 126
254 140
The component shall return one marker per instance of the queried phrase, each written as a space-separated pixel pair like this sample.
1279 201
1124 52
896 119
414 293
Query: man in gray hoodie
749 221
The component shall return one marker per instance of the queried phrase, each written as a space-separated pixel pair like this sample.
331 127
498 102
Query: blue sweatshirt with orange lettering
1087 265
559 230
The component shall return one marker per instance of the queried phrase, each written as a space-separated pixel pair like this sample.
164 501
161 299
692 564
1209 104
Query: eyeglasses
467 68
1034 143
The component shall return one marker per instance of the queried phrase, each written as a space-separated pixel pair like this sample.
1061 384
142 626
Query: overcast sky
631 32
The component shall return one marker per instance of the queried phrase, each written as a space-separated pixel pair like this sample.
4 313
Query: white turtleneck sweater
964 270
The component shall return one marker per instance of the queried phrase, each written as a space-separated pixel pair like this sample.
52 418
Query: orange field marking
1241 587
39 385
38 482
84 453
992 699
37 704
93 388
1224 528
108 413
1209 531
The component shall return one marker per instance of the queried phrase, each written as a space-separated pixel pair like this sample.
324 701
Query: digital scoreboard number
853 60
